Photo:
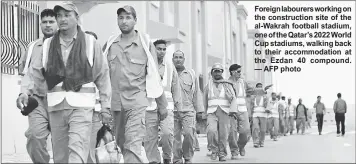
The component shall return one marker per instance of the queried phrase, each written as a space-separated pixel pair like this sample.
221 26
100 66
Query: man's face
48 25
289 101
300 101
236 73
67 19
259 86
319 98
274 96
283 98
178 59
161 50
217 74
126 22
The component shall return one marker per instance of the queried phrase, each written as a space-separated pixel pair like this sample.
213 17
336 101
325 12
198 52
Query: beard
218 77
126 31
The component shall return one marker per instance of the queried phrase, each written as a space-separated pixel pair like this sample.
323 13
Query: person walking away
220 104
243 89
273 120
39 128
136 83
191 111
71 90
259 115
170 82
291 119
301 116
340 109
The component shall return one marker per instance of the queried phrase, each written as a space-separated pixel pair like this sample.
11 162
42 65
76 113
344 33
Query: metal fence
19 27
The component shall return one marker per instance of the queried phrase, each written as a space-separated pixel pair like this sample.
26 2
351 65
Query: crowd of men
130 83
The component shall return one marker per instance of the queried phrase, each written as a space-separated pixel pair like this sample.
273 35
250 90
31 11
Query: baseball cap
69 6
128 9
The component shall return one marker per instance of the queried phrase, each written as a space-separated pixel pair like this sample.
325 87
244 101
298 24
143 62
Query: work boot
290 133
213 156
209 153
242 151
223 158
256 145
319 133
187 161
166 161
261 145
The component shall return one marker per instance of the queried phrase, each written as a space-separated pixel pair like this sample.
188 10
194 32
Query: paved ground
311 147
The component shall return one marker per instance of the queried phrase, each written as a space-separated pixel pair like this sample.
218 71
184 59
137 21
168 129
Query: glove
199 116
162 113
32 104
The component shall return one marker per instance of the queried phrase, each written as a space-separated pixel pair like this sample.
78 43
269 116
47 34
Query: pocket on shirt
137 66
187 86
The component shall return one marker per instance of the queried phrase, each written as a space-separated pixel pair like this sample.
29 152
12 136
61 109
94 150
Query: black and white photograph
173 82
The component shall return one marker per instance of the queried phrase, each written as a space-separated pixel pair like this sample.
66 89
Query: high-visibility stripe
212 102
82 90
29 55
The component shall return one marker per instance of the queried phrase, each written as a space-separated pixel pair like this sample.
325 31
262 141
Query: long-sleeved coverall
128 71
71 126
38 129
185 118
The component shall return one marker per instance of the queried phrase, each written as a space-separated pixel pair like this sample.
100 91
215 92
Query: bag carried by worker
106 151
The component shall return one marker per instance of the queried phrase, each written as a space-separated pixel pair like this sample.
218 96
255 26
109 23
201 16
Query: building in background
206 31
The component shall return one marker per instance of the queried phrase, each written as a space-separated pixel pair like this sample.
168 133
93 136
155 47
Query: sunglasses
217 71
235 71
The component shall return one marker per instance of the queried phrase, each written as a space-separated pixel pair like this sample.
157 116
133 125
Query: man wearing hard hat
242 88
220 103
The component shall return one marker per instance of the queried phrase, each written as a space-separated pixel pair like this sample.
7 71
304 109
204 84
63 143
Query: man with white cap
220 104
282 106
136 84
72 66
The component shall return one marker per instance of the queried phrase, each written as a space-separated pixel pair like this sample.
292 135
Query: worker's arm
335 105
296 111
197 97
22 62
280 110
176 92
205 98
101 77
345 106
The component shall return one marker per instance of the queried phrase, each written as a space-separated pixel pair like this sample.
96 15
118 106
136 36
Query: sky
314 79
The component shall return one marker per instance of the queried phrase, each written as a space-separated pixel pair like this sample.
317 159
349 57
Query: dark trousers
320 119
340 118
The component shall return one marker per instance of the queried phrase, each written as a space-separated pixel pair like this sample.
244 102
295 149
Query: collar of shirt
135 40
62 42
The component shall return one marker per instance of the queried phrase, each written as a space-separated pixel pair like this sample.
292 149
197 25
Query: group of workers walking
131 84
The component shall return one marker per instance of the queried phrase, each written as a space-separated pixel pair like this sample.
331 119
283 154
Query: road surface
310 147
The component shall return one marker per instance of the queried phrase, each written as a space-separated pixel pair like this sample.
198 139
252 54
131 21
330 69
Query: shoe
275 139
261 145
178 162
213 156
242 152
256 145
222 158
343 135
166 161
234 157
209 153
197 149
186 161
319 133
338 135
